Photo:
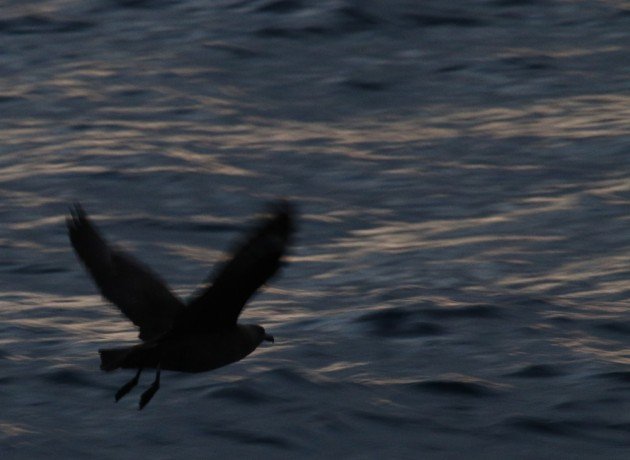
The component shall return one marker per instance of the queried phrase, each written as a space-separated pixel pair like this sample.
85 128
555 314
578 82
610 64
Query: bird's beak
268 337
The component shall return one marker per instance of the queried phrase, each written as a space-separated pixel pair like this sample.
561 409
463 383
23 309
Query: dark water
459 287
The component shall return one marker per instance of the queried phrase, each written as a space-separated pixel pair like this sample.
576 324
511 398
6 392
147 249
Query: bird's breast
204 352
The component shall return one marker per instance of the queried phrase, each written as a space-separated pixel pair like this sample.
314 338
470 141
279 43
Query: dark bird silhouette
195 337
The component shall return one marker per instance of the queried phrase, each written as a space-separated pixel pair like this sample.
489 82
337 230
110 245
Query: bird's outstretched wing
138 292
253 262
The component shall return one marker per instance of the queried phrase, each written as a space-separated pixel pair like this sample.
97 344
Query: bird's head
262 334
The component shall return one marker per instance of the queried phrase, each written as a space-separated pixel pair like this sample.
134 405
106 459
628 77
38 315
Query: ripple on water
617 376
281 6
35 24
398 322
441 20
614 327
249 437
6 379
241 393
39 269
548 426
7 373
537 371
390 420
480 311
68 375
450 387
141 4
342 21
299 378
181 225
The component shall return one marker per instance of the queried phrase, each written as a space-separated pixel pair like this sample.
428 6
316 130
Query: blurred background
459 283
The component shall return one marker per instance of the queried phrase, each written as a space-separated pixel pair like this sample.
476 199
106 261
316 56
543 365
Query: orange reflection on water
209 163
10 429
562 52
604 350
567 118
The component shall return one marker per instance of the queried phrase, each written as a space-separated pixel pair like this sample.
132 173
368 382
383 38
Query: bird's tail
113 358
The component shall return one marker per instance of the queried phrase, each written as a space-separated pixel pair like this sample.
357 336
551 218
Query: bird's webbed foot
150 392
127 387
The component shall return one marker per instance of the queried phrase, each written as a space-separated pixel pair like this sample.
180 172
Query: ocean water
459 286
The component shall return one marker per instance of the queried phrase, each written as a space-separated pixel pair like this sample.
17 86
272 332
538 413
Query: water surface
459 283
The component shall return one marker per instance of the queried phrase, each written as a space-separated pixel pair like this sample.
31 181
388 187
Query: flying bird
197 336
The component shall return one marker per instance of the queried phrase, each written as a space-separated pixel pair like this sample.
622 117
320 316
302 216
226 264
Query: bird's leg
127 387
155 386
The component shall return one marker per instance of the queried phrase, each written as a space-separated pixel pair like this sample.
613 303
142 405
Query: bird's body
197 336
188 352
